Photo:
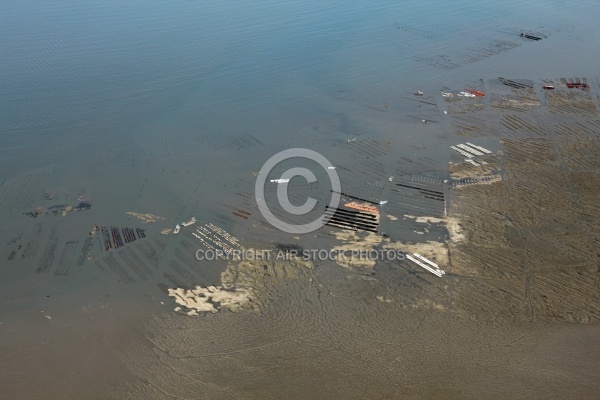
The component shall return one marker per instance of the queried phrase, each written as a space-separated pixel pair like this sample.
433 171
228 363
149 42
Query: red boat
475 92
578 86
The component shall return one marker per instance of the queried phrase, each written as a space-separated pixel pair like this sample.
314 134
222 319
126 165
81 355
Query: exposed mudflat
530 247
522 285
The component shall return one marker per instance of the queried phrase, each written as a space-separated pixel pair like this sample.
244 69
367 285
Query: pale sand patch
201 299
353 242
383 299
438 252
454 229
435 251
452 225
428 304
244 285
146 218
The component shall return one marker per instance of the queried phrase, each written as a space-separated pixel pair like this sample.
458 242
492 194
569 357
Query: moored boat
475 92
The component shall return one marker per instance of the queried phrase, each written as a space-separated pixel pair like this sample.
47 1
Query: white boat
177 229
190 222
280 180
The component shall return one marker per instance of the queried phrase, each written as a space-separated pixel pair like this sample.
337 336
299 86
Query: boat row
461 152
426 264
470 150
482 149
